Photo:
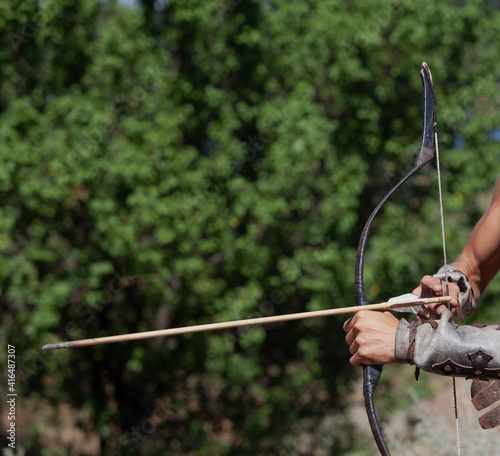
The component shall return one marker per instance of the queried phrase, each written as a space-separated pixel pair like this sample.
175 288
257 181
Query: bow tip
425 71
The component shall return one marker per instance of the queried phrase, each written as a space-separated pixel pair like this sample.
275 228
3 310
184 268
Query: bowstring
441 213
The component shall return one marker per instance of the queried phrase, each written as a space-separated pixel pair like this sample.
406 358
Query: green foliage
179 162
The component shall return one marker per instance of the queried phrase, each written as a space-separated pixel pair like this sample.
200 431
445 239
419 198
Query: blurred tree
172 163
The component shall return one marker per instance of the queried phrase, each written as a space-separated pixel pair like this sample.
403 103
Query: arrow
245 322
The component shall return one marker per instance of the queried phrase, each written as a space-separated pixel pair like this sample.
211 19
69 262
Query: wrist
472 275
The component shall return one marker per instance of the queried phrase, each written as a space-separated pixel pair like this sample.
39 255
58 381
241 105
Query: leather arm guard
444 348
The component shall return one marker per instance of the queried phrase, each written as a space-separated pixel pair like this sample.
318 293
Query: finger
353 348
355 360
439 309
453 291
431 286
351 336
347 324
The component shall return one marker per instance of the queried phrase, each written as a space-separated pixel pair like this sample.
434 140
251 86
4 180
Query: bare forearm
480 259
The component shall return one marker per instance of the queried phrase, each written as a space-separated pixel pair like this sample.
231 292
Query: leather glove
466 301
483 394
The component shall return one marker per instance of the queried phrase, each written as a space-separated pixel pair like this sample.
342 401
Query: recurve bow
371 373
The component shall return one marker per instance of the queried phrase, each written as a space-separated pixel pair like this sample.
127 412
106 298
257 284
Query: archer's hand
483 394
430 287
371 337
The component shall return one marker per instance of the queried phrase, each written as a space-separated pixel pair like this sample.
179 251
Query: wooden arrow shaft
246 322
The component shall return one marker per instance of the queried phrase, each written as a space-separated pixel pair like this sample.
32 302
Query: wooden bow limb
245 322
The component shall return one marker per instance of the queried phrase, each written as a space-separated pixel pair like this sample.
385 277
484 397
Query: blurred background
168 163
